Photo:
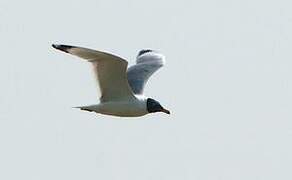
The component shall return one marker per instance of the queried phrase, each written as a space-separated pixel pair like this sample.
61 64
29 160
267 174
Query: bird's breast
132 108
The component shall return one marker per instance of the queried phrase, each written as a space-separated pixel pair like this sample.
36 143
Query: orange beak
165 111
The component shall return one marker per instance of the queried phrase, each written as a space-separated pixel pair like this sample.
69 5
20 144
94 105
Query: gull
121 87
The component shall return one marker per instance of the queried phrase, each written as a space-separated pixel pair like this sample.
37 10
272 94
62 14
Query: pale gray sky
227 83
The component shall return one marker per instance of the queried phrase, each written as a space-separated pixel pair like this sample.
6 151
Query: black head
154 106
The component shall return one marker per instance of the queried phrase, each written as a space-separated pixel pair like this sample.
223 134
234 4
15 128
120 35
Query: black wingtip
60 47
143 51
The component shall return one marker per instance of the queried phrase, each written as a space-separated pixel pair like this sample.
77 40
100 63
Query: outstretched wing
148 62
110 71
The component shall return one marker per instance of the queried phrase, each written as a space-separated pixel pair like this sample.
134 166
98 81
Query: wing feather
110 71
147 63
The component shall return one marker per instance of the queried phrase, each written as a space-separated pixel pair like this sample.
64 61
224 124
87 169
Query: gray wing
110 71
147 63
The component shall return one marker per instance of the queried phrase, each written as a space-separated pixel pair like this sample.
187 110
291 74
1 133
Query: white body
133 107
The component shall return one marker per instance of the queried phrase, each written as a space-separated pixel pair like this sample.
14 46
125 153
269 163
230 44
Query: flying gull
121 87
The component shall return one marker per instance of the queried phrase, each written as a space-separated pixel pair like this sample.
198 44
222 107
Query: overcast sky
227 82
